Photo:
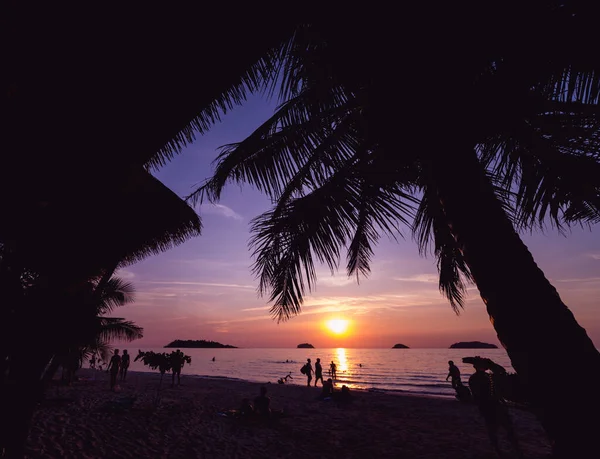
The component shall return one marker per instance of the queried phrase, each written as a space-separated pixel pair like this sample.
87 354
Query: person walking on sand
333 370
124 365
493 410
454 373
318 372
308 371
177 365
113 368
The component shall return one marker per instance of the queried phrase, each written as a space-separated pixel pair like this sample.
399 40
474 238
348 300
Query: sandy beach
81 421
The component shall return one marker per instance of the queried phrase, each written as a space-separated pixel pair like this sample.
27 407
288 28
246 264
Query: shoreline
338 385
86 420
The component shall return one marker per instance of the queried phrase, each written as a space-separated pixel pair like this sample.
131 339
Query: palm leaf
114 293
113 328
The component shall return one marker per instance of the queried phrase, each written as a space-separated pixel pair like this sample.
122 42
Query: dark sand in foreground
187 424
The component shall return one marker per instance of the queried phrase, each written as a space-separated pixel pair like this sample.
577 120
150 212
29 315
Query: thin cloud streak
427 278
222 210
579 279
202 284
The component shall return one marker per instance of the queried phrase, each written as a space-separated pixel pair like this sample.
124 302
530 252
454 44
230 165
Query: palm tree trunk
550 351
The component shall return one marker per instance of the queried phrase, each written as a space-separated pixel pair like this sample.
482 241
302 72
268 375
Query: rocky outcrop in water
473 345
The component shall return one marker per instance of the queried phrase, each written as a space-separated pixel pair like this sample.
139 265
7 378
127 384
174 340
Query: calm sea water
420 371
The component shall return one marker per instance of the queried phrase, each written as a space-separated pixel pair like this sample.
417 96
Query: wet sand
80 422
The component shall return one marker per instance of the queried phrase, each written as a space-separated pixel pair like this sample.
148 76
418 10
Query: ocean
414 371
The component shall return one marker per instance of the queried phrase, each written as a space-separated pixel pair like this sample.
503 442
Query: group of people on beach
117 366
492 406
308 371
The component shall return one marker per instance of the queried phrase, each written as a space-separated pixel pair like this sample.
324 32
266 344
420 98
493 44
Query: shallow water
420 371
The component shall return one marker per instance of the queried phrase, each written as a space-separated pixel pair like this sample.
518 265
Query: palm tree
523 152
93 336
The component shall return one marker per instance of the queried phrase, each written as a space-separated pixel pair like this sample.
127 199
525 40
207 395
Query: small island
190 343
400 346
473 345
305 346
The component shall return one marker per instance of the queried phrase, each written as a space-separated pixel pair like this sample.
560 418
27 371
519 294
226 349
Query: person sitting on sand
318 372
333 370
494 412
454 373
246 409
113 367
262 403
327 389
124 365
176 366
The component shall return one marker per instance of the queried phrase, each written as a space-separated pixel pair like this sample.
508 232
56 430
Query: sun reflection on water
342 363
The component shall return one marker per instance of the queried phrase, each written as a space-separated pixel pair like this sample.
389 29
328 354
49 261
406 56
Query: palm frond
301 137
113 328
315 227
114 293
256 76
431 226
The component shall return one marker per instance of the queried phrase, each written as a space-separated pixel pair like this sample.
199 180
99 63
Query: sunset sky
203 289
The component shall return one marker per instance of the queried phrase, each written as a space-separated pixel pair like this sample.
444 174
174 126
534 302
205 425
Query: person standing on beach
333 370
318 372
113 367
454 373
124 365
494 412
308 371
177 365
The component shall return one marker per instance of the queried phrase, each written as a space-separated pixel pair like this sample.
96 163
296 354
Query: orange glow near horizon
337 326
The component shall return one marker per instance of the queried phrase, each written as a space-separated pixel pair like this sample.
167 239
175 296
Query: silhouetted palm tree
516 145
93 336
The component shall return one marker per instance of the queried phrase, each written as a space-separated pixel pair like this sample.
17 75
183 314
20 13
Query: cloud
260 308
428 278
203 284
595 256
579 279
220 209
328 280
125 274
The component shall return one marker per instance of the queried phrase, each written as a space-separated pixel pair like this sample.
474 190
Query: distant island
179 343
305 346
400 346
473 345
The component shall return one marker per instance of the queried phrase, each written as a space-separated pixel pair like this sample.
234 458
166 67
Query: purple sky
203 289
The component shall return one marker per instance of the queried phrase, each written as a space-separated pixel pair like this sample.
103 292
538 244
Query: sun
337 326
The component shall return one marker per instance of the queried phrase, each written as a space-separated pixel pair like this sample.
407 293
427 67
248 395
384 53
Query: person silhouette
124 365
318 372
213 359
308 372
327 389
262 403
333 370
176 366
284 379
113 368
454 373
493 410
